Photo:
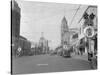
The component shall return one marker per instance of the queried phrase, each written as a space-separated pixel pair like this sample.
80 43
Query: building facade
89 18
74 34
15 26
18 42
15 19
65 34
43 44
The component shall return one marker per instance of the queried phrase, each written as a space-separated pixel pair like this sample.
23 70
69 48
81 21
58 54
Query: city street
47 63
43 34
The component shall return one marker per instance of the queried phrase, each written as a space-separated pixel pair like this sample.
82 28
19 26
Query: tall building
43 43
65 34
15 27
15 19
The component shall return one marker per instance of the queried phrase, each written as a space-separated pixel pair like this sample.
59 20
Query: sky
37 17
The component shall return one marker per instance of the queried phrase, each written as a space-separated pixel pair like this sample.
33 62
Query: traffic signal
91 16
88 19
85 16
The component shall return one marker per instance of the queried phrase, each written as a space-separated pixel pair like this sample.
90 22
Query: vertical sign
92 45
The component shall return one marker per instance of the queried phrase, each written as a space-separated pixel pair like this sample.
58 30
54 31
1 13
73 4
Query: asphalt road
47 63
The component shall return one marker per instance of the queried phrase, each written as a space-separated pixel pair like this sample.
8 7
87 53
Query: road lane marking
42 64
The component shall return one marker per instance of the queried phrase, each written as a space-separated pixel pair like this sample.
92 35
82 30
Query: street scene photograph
53 37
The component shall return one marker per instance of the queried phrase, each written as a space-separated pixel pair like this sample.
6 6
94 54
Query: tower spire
42 34
64 11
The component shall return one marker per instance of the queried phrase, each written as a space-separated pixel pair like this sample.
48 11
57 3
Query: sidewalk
82 57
